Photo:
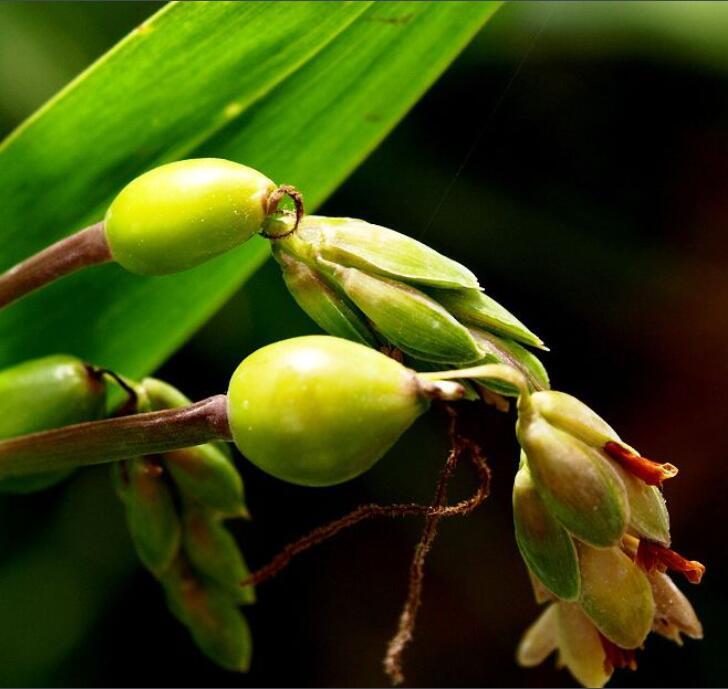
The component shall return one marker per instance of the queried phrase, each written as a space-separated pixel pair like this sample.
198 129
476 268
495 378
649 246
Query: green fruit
319 410
42 394
179 215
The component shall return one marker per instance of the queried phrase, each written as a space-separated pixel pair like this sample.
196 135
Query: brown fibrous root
438 509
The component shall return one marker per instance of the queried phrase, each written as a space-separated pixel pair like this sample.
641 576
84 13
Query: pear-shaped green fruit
179 215
320 410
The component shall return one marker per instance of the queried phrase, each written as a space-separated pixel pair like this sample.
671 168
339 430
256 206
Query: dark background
576 158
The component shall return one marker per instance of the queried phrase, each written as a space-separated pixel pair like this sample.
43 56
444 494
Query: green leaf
302 91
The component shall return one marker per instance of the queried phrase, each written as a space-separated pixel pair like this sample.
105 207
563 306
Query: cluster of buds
176 504
593 528
376 286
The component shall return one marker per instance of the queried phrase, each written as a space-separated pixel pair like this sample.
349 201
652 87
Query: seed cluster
590 519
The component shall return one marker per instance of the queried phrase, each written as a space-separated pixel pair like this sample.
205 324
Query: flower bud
503 351
214 553
42 394
204 473
539 640
616 595
374 249
673 613
329 309
409 319
151 514
320 410
473 307
179 215
648 517
580 647
577 483
211 616
545 545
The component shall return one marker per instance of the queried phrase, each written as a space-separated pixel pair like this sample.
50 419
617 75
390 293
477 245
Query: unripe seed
46 393
320 410
179 215
545 545
409 319
214 553
328 308
578 484
580 647
151 514
473 307
375 249
616 595
211 616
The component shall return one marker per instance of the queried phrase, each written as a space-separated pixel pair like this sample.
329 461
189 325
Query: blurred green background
576 158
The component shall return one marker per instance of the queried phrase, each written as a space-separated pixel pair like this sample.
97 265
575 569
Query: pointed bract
409 319
375 249
329 309
674 615
616 595
473 307
580 647
539 640
545 545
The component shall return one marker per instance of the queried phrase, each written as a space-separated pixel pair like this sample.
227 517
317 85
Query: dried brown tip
652 473
653 556
616 658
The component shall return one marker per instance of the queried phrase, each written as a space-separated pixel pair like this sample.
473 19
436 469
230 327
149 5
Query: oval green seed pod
179 215
329 309
580 648
214 553
648 515
579 486
375 249
219 629
151 514
409 319
320 410
473 307
544 544
205 473
42 394
616 595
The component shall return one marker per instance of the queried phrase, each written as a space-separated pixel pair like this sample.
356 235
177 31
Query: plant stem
84 248
110 440
500 372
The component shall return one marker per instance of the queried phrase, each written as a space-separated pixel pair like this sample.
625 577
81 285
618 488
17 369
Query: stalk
110 440
86 247
500 372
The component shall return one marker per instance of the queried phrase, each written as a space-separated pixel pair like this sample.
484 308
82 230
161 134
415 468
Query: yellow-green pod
320 410
214 553
179 215
47 393
545 545
212 617
151 514
616 595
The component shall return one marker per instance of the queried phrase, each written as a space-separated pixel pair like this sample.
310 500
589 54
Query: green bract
181 214
320 410
42 394
545 545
